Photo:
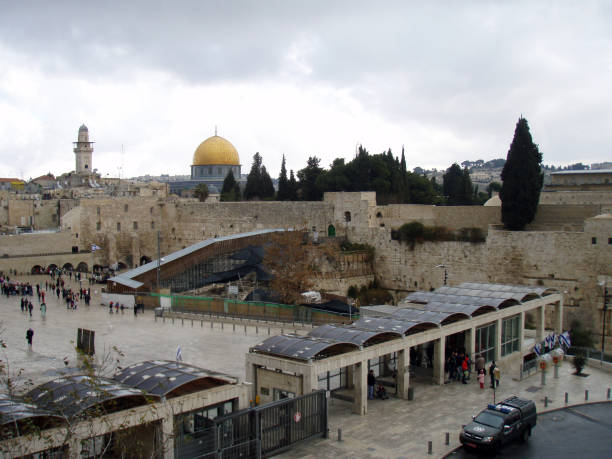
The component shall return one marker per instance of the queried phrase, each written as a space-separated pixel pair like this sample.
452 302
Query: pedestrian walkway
396 428
138 337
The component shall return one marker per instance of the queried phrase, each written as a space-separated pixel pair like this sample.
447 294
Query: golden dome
216 151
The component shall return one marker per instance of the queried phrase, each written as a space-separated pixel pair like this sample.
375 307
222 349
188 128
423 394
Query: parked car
498 424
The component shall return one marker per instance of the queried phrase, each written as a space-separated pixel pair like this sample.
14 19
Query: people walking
491 375
481 377
29 337
43 309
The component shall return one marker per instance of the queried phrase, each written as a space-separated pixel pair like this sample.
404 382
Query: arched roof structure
354 334
73 395
394 324
18 417
164 378
303 347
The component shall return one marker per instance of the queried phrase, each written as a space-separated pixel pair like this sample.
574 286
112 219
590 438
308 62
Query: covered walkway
490 318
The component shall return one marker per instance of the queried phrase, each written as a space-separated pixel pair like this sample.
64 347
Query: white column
168 436
438 363
540 321
360 372
559 317
521 331
403 373
498 339
470 343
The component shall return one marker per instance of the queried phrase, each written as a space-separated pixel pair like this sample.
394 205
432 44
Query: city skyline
446 81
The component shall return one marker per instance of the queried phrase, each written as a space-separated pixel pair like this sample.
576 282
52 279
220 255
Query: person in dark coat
491 375
371 384
29 337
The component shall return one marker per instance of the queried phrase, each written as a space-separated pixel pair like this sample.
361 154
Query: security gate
259 431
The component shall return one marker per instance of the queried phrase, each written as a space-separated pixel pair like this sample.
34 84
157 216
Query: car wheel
525 435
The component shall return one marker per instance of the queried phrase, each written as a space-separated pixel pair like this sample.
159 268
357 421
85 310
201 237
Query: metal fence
254 310
259 431
589 353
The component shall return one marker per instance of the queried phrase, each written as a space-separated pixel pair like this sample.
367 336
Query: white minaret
83 149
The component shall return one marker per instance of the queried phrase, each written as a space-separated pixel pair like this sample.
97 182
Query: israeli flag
179 354
537 349
94 247
564 339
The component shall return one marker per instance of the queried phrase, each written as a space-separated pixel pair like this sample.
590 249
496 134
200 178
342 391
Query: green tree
293 187
231 188
457 186
284 193
266 185
522 179
252 189
201 192
493 187
308 190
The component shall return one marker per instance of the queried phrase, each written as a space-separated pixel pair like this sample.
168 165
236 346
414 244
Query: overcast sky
446 79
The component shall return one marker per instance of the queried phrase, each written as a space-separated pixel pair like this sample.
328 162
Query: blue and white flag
564 340
537 349
94 247
179 354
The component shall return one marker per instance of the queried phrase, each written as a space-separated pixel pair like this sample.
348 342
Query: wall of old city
603 198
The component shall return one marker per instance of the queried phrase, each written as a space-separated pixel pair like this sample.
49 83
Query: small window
593 240
152 225
125 208
118 226
210 171
610 240
135 225
98 226
265 391
347 216
98 210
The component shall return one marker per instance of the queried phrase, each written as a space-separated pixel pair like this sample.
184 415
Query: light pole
158 262
445 272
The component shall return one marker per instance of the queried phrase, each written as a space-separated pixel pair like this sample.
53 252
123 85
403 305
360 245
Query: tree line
388 176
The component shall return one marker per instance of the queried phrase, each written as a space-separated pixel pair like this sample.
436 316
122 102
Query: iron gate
260 431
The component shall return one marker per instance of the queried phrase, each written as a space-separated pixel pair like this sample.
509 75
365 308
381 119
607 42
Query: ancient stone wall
35 243
576 198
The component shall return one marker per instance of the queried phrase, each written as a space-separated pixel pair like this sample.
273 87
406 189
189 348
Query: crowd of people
458 368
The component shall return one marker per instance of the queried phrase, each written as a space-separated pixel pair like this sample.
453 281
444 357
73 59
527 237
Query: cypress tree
267 187
283 183
253 185
293 186
228 189
522 179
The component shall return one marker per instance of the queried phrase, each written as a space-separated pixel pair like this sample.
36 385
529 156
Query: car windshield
489 419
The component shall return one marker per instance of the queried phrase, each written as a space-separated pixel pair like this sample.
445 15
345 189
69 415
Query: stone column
168 435
360 372
498 339
540 321
438 363
251 376
403 373
470 343
559 317
310 379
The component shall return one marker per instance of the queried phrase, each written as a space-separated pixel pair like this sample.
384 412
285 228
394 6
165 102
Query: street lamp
445 272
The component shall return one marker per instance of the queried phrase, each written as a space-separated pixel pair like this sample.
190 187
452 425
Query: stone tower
83 150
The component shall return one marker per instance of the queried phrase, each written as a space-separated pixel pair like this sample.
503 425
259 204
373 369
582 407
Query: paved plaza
392 428
138 337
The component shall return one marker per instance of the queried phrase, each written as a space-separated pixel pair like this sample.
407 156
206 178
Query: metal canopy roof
72 395
502 300
302 347
468 309
389 324
422 316
26 415
132 273
351 334
525 289
163 378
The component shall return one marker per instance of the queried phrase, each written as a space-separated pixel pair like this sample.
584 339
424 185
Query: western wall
567 247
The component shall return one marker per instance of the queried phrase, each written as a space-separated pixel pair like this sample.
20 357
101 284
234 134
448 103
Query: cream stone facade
557 248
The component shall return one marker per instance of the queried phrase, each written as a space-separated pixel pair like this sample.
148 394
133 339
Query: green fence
257 310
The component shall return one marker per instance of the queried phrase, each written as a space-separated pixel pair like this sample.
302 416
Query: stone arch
331 231
144 260
97 268
36 269
68 267
378 214
121 266
82 267
51 267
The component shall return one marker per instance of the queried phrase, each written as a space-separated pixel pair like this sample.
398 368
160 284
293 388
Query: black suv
499 424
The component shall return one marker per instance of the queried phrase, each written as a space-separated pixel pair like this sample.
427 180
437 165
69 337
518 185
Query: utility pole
603 330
